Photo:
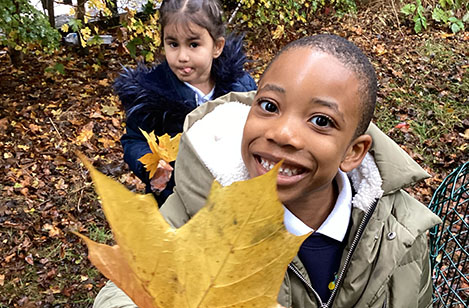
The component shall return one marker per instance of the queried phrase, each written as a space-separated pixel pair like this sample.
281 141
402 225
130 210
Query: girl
200 65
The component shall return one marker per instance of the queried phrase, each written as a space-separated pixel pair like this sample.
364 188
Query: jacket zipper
295 270
341 276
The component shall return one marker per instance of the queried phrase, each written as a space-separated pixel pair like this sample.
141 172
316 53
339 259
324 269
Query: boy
314 103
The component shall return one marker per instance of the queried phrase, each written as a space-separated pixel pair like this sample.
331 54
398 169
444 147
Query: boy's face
306 111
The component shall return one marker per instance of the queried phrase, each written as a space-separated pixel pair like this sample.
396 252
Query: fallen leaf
279 31
53 230
380 50
104 82
86 133
3 124
107 143
466 133
29 259
110 110
9 257
222 257
403 126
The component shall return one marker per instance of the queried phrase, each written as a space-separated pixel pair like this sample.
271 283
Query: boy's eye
194 45
322 121
268 106
173 45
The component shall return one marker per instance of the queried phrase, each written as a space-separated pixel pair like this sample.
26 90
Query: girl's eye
268 106
173 44
322 121
194 45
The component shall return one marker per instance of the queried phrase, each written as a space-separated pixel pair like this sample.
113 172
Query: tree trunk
112 5
48 6
16 57
51 13
81 10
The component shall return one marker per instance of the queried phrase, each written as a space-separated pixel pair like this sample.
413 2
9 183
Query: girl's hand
161 177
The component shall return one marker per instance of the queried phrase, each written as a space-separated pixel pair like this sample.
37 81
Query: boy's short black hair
351 57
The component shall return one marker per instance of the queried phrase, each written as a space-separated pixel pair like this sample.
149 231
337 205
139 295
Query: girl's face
190 51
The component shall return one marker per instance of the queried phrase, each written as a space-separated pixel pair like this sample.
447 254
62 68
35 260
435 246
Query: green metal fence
449 242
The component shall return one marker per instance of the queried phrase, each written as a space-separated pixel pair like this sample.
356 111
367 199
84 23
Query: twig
397 17
79 201
78 189
53 124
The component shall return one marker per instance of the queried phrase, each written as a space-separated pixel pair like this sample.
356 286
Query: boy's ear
218 47
355 153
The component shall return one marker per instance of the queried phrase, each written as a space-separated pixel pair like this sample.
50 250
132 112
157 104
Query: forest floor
45 116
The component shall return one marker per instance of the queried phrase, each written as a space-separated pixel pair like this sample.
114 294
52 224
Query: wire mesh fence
449 243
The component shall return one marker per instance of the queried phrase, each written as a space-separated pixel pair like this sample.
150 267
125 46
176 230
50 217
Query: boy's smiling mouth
286 170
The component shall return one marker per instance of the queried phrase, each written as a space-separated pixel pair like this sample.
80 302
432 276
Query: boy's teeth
283 170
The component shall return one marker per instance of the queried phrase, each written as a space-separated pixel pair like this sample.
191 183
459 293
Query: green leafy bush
451 13
141 35
138 34
276 17
24 27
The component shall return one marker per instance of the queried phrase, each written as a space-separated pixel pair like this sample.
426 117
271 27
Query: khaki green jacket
386 260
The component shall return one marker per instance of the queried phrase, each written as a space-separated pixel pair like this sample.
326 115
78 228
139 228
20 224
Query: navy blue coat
156 100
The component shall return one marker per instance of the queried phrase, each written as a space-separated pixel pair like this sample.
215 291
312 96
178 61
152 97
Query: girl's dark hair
207 14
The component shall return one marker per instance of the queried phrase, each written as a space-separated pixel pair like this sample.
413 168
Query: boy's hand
161 177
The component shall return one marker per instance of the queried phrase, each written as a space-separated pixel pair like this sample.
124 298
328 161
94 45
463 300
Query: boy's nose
285 132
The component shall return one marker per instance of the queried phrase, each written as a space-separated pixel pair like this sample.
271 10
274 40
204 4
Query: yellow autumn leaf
86 133
64 28
150 161
167 150
233 253
279 31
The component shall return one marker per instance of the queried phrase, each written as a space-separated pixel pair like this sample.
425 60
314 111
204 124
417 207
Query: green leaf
440 15
418 25
408 9
420 11
465 18
75 24
59 67
456 24
132 46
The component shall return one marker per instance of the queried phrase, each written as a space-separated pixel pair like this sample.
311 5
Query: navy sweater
156 100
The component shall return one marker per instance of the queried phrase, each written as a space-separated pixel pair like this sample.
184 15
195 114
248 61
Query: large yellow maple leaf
233 253
165 149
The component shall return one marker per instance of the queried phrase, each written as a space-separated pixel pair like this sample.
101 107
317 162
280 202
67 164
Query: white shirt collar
200 97
336 224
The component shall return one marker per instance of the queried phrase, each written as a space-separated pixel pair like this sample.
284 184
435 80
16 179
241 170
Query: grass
433 102
100 234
